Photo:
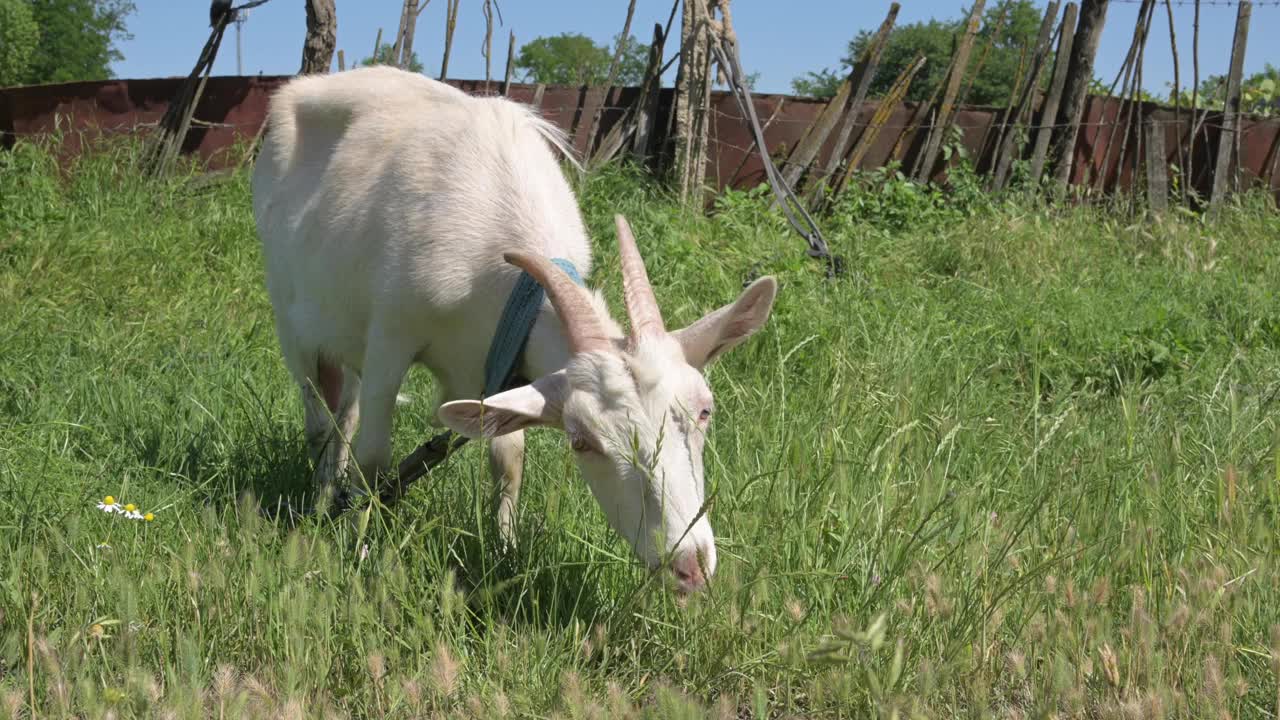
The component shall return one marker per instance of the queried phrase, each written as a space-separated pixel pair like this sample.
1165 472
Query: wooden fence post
163 145
511 63
450 24
614 65
1157 168
647 111
1009 145
1228 138
408 9
942 120
487 47
692 104
1131 72
1177 94
1066 34
860 79
322 36
1093 16
888 104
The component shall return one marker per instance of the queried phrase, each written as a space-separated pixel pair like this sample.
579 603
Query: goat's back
379 191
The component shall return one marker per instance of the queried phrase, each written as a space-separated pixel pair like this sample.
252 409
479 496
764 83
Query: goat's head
636 411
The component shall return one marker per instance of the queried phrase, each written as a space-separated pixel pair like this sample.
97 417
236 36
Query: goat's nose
687 568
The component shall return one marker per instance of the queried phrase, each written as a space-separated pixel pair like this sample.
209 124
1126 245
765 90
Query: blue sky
780 40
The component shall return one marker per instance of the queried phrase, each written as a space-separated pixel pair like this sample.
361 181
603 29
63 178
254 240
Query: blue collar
512 335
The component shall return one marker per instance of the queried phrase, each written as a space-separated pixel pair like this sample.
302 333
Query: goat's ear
726 328
533 405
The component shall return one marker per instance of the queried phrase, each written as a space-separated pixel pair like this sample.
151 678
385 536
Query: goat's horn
642 306
581 323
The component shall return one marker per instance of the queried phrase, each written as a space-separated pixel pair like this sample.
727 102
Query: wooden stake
693 101
1229 139
162 147
1132 128
884 111
996 36
1084 48
511 64
1066 34
614 65
647 111
1000 124
1177 93
377 45
942 120
1128 95
450 24
407 15
342 62
1197 117
410 31
848 96
322 36
902 146
487 8
1010 146
1157 170
863 74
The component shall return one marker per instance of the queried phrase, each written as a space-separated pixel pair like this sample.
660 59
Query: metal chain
786 198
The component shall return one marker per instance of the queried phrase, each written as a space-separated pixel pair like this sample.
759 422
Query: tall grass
1020 461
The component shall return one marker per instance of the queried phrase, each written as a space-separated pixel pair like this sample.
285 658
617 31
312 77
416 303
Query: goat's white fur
385 202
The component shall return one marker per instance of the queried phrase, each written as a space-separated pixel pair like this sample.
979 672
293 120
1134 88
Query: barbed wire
1209 3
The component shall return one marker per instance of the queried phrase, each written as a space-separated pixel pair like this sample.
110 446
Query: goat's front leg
385 366
506 466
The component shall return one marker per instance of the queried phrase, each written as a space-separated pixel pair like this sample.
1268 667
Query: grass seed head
377 668
795 609
444 671
13 701
225 679
1109 666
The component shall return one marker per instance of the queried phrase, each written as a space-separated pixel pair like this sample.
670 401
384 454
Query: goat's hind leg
329 402
325 404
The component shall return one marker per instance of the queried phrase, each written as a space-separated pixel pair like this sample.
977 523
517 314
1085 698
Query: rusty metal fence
232 109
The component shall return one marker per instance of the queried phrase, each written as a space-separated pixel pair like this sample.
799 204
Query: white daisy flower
129 511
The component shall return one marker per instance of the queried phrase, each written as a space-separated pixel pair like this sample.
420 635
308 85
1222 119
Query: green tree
383 57
77 39
18 37
575 59
1007 26
824 83
1259 93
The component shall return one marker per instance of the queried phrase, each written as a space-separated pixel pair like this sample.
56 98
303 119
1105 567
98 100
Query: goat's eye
705 415
579 443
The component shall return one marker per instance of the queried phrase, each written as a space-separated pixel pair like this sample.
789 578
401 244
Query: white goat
386 203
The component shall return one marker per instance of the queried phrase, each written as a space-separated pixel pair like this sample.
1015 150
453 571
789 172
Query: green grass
1021 460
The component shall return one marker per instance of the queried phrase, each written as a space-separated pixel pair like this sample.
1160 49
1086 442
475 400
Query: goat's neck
548 349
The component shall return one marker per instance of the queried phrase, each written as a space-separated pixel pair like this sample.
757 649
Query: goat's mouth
687 574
